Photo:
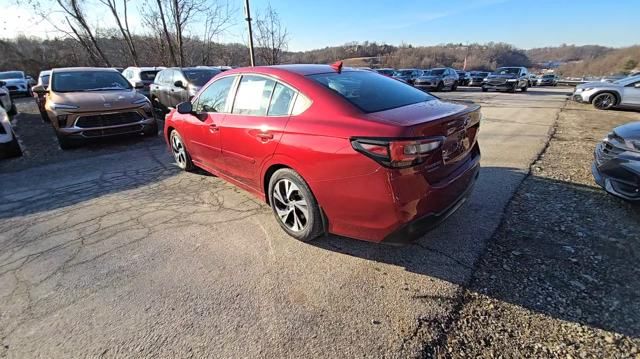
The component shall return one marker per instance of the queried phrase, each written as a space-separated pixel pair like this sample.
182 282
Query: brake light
397 153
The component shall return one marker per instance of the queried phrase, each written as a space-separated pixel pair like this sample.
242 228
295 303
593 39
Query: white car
6 102
9 146
141 77
605 95
17 82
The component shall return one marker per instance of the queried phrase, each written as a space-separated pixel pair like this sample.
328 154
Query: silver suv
606 95
438 79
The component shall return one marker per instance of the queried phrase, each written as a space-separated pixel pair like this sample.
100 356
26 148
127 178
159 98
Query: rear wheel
604 101
13 149
12 110
454 86
440 86
180 154
294 206
484 89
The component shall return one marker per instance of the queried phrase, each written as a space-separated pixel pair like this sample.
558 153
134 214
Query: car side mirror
179 84
185 108
138 85
39 89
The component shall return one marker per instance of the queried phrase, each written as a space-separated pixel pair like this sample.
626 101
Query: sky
319 23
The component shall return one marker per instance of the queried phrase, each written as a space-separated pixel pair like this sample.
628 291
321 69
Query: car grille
12 88
105 120
497 82
607 151
112 131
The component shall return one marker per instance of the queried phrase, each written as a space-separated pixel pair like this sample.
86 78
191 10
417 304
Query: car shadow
529 251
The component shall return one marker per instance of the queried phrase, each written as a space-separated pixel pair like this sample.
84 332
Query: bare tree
218 19
124 29
73 9
272 37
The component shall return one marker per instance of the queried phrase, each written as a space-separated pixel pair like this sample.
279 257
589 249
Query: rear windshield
200 77
436 72
44 79
403 72
148 75
79 81
370 92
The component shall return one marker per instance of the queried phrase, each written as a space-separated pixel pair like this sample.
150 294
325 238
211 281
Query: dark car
463 78
547 80
477 77
507 79
386 72
332 149
175 85
438 79
407 75
616 166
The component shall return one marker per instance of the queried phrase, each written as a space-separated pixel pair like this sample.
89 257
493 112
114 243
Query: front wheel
604 101
484 89
440 86
180 153
454 86
525 88
294 206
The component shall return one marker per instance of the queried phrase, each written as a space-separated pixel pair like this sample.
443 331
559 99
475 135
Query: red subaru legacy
332 150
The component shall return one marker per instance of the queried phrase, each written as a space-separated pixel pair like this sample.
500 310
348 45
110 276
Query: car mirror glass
178 84
185 108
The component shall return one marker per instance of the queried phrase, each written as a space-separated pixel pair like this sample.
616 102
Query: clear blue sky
526 24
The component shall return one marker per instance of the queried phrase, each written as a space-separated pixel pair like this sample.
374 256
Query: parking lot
110 250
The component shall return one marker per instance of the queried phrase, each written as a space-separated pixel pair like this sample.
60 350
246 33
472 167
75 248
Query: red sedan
332 150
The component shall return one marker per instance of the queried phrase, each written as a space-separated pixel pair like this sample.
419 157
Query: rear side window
214 98
370 92
281 101
253 96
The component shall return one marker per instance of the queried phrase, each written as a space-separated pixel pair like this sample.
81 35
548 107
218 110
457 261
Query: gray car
438 79
407 75
507 79
606 95
547 80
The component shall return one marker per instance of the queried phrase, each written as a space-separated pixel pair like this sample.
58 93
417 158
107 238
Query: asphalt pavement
111 251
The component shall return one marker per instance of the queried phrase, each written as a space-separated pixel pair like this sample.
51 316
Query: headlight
141 101
588 89
512 80
62 106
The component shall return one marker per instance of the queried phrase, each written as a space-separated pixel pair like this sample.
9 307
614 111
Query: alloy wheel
290 205
604 101
179 152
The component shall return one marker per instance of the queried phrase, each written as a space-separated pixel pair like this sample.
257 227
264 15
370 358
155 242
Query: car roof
82 69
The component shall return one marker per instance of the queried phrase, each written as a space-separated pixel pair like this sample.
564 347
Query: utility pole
247 14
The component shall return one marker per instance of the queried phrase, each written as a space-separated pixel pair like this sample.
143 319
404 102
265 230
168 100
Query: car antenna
337 66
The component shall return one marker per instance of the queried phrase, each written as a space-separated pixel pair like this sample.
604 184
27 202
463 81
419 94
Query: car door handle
213 128
265 136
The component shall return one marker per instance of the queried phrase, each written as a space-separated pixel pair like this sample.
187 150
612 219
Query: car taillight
397 153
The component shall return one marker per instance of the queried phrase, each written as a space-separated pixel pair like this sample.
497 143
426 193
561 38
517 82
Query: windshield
547 76
402 73
11 75
370 92
482 74
508 71
148 75
200 77
79 81
44 80
627 80
436 72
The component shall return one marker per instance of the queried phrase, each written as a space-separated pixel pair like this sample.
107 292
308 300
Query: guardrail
566 82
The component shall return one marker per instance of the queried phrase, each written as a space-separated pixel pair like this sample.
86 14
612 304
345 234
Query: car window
281 101
177 76
369 92
79 81
148 75
199 77
253 95
214 98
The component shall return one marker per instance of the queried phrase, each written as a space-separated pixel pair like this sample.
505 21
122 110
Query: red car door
204 126
251 132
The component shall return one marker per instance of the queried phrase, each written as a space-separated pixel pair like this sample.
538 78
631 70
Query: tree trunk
166 33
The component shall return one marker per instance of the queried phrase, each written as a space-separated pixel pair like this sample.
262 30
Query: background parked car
606 95
476 77
175 85
16 82
507 79
407 75
6 102
463 78
547 80
612 78
85 103
141 75
9 146
438 79
386 71
265 129
616 166
533 79
43 80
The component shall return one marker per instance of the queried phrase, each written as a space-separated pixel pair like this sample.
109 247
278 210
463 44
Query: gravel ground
560 276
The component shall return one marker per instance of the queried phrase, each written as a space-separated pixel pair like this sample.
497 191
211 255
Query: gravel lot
108 250
560 278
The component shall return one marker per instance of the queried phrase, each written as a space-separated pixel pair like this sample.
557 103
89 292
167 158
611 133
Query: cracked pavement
111 251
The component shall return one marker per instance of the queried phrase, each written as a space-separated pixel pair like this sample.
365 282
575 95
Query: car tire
604 101
484 89
13 149
525 88
152 131
287 193
180 153
440 86
66 143
12 110
454 86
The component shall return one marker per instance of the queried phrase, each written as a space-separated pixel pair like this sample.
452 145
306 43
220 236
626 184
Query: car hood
430 77
502 76
419 112
597 84
99 100
629 131
15 82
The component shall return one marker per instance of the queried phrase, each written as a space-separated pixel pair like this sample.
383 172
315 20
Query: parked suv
332 149
464 78
548 80
84 103
438 79
141 76
175 85
407 75
16 82
606 95
507 79
477 77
